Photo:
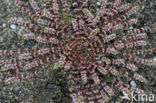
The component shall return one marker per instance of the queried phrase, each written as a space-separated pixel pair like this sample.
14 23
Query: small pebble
3 25
16 88
133 84
98 3
117 102
154 58
1 39
21 29
4 88
118 78
72 37
130 27
99 62
97 10
13 26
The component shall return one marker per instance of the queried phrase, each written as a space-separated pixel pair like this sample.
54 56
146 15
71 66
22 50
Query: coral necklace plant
90 39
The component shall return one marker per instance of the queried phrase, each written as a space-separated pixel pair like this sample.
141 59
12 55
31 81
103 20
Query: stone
133 84
3 25
98 3
13 26
154 58
1 39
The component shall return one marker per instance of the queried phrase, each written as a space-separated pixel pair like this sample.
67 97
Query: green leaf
108 79
57 82
55 67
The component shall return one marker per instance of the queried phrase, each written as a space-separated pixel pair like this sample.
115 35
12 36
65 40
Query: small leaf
107 79
57 82
61 67
55 67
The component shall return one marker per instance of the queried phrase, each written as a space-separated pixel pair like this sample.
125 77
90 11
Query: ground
52 87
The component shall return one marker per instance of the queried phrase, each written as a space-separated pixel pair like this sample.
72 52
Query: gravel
12 26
